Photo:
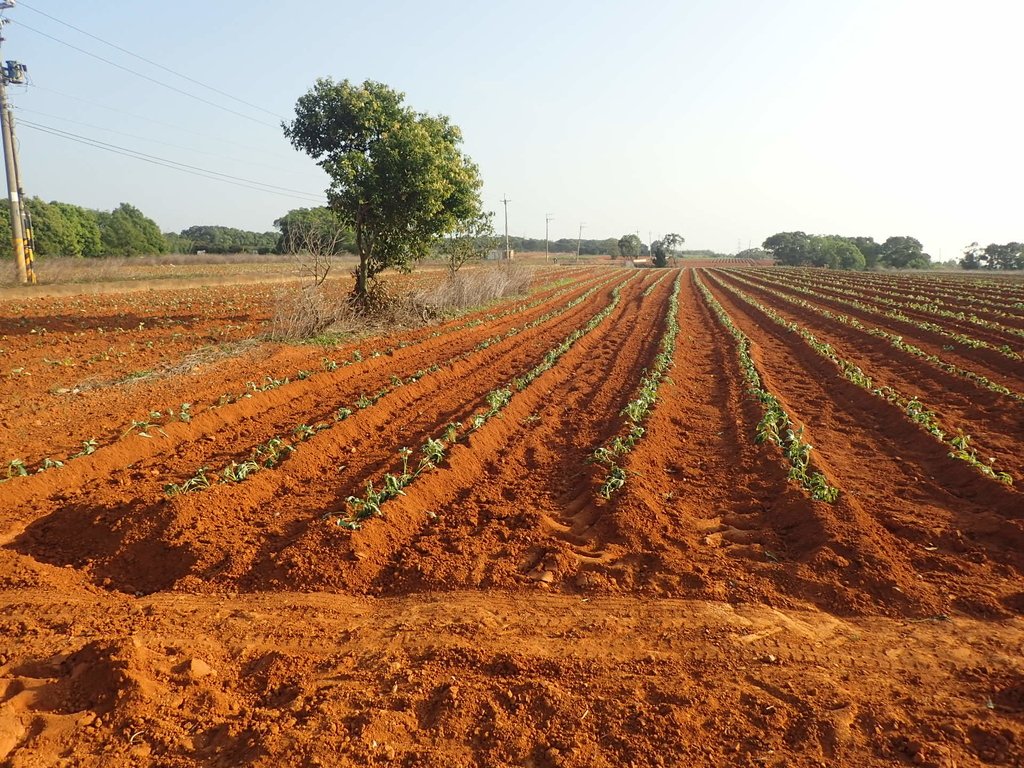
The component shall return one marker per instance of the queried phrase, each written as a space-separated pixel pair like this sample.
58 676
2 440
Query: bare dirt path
485 679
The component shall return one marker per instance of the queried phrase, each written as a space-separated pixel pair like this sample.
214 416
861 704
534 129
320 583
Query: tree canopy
630 245
667 246
298 224
993 256
838 252
398 177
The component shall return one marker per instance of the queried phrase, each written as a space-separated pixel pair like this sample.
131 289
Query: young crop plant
370 504
776 425
918 413
236 473
849 298
198 482
893 339
358 509
644 398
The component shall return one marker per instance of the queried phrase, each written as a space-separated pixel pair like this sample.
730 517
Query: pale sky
723 120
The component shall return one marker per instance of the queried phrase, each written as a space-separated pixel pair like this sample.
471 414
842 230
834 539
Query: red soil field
192 574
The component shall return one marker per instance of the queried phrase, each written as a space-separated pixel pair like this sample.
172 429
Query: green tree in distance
126 231
630 245
904 253
398 177
666 247
470 241
299 222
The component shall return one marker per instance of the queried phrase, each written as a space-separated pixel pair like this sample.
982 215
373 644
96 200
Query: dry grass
58 270
471 288
307 310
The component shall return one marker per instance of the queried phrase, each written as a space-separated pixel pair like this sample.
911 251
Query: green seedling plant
776 425
198 482
358 509
918 413
643 401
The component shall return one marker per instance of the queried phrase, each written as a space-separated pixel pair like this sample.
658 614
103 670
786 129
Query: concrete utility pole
13 72
508 251
579 240
548 218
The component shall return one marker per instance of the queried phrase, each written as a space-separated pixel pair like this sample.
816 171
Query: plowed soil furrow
934 509
92 400
952 286
326 557
1003 314
878 302
1004 288
714 514
983 361
994 421
530 507
216 436
276 505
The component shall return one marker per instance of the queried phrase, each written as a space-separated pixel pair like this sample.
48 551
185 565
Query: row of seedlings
155 420
894 339
895 314
775 426
924 304
358 509
268 455
940 298
636 411
959 444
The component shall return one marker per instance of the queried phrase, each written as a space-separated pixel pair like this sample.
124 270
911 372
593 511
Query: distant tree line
63 229
798 249
993 256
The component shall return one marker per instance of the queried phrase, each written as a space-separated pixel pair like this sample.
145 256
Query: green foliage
993 256
298 224
398 177
798 249
666 247
630 246
126 231
471 240
217 239
903 253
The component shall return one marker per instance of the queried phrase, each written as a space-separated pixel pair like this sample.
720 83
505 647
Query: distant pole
548 218
579 240
508 250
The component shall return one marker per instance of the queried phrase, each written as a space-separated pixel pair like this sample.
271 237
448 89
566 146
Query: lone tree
630 245
471 240
662 249
398 177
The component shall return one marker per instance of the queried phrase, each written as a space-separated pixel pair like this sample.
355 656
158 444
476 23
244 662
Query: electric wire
174 165
146 138
162 84
150 61
116 110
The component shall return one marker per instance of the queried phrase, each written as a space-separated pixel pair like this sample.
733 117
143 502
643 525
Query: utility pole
508 251
13 72
579 240
548 218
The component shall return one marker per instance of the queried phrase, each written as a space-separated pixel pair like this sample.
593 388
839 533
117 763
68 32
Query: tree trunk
363 271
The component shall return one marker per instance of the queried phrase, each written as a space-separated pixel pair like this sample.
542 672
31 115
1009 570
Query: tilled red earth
502 611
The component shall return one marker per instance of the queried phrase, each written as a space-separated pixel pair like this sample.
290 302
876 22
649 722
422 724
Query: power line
151 62
172 126
146 138
145 77
174 165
